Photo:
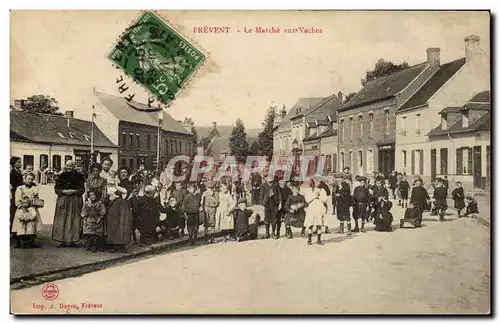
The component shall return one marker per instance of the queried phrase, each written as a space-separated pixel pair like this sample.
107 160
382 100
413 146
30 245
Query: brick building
136 132
367 123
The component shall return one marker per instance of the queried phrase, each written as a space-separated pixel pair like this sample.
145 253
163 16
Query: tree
255 148
238 143
266 135
42 104
349 96
383 68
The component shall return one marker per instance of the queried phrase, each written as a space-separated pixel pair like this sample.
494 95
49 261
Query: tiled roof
385 87
121 110
323 122
328 106
483 123
327 133
43 128
303 103
443 74
481 97
448 110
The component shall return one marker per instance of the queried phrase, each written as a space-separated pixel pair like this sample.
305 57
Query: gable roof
304 104
44 128
119 107
328 106
384 87
436 81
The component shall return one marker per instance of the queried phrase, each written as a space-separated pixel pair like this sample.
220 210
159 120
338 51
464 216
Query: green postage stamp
156 56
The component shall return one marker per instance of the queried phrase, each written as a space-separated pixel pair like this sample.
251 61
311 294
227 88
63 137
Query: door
488 168
433 164
477 166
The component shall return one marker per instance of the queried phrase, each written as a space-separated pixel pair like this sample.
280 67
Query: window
404 159
138 140
67 158
56 162
186 151
131 144
124 139
444 122
342 160
417 124
342 130
148 142
44 160
60 135
351 160
334 160
131 164
360 119
403 125
175 147
465 119
444 160
72 135
386 112
87 138
189 148
351 127
369 161
370 115
171 147
123 162
464 160
28 160
360 158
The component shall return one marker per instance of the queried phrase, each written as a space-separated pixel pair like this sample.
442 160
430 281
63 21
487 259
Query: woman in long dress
225 220
69 188
16 180
118 222
315 213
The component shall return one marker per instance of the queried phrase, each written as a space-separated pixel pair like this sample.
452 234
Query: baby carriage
411 216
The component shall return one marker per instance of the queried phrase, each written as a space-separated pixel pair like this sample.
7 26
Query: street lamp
296 153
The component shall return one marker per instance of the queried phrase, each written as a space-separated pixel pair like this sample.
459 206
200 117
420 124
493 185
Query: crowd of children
154 212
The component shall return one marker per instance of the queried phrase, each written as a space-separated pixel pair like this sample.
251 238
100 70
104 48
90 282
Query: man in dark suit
270 198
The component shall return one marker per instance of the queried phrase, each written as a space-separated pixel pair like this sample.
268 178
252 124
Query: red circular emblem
50 291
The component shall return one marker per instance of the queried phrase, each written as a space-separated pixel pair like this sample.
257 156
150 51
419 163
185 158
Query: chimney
433 56
340 96
19 104
471 46
283 112
68 113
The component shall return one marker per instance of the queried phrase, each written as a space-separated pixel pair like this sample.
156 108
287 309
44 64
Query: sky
64 54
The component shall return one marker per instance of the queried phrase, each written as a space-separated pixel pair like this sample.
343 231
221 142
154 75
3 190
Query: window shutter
469 161
334 168
412 162
459 161
421 164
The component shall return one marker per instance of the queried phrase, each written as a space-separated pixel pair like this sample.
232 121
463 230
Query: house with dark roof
322 142
44 140
452 85
129 125
292 127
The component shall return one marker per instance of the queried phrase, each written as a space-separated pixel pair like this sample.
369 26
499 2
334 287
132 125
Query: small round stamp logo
50 291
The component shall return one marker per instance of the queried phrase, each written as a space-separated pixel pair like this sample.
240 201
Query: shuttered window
444 161
421 162
469 161
334 168
459 161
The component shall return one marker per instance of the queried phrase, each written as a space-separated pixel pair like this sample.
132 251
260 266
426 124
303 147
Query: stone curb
75 271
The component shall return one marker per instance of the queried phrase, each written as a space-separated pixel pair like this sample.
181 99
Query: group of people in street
111 208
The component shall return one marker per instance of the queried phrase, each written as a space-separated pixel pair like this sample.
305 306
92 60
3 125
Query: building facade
452 85
136 132
367 123
44 140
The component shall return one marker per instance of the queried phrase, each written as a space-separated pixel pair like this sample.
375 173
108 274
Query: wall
107 123
21 148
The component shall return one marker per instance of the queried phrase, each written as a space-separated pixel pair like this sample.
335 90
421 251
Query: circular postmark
50 291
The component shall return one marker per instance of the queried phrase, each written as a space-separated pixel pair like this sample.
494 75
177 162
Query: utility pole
160 121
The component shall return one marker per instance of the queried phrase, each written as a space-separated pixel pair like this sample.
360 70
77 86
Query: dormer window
72 135
444 122
87 137
465 119
61 135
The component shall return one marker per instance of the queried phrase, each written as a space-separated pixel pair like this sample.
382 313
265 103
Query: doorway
433 164
477 166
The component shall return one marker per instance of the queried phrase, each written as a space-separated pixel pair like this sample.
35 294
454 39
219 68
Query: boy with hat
361 199
209 204
191 210
440 194
179 193
419 197
270 198
241 217
404 189
459 196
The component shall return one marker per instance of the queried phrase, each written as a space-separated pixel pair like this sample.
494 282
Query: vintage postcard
250 162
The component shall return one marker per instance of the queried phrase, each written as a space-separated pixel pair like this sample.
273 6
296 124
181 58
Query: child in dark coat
294 207
459 198
404 189
472 207
191 207
440 194
149 216
383 221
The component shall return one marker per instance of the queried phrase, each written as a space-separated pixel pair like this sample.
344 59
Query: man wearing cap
270 198
347 174
209 204
361 198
